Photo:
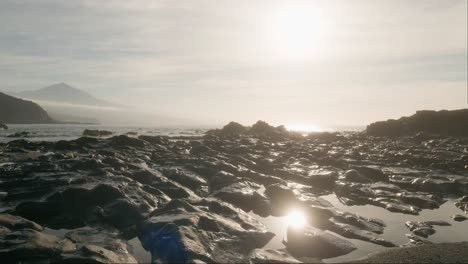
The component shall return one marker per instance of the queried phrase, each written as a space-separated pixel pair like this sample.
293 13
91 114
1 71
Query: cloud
190 57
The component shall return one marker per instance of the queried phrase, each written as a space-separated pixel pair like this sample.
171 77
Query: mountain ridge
18 111
64 93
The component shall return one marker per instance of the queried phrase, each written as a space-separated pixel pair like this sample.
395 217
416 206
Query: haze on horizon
324 62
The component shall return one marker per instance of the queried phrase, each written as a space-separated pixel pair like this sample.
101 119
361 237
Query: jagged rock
354 176
265 256
463 204
22 240
240 194
97 254
97 246
155 140
96 133
208 231
125 141
16 222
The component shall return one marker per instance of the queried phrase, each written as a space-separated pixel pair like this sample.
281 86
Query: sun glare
298 127
297 30
296 219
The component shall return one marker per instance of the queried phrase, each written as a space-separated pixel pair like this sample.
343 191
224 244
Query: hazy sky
319 62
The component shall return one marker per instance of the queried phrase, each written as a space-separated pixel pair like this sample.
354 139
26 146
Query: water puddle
138 251
395 230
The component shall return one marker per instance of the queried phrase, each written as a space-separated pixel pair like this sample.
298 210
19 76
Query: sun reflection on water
302 127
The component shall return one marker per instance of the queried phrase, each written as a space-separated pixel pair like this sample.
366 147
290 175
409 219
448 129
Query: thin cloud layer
215 61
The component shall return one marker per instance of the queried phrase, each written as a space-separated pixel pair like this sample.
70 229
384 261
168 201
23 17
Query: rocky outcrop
447 123
3 126
96 133
17 111
259 129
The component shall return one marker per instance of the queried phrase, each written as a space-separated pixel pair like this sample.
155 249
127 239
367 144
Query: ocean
55 132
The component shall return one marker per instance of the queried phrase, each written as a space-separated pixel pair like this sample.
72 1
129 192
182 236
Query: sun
296 219
297 30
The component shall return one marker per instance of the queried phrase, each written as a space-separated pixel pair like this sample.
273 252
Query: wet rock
371 172
325 137
125 141
264 256
77 206
155 140
354 176
97 246
415 241
22 134
208 231
459 218
187 178
424 229
317 244
352 231
240 194
25 245
463 204
96 133
16 222
97 254
144 176
281 199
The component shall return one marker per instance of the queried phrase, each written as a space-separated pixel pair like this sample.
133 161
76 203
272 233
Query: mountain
17 111
64 93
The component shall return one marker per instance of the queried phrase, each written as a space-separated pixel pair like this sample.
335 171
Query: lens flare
296 219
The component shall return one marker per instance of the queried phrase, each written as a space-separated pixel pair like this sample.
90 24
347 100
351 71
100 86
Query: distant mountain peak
64 93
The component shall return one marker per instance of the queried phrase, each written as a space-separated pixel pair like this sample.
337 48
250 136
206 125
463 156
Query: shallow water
395 229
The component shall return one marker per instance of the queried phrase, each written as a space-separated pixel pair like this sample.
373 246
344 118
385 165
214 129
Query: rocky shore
193 200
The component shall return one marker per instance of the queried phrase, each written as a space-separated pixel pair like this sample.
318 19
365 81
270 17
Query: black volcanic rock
259 129
447 123
18 111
